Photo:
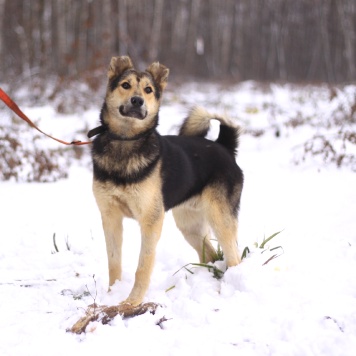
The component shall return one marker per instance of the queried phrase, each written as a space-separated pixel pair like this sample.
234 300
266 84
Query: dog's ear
159 73
118 65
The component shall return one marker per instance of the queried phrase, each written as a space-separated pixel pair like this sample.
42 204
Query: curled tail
198 124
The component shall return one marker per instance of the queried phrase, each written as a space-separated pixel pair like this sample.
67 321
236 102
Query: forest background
264 40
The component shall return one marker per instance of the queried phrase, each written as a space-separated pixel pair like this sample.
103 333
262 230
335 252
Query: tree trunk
123 36
156 30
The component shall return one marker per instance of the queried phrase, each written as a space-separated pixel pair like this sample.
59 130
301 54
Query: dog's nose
137 101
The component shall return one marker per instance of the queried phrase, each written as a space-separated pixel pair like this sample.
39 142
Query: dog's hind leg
223 223
225 229
195 229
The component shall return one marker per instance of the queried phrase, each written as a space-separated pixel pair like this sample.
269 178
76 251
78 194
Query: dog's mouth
136 113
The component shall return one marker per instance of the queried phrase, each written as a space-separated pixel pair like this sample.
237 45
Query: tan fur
159 73
190 218
223 223
199 121
142 202
125 126
124 165
119 65
195 217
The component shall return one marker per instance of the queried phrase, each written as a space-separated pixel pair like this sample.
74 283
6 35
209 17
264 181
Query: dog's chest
133 200
124 206
116 196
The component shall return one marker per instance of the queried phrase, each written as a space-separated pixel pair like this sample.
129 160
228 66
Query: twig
161 321
105 314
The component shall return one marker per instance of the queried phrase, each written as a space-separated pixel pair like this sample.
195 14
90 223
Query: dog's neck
114 136
104 128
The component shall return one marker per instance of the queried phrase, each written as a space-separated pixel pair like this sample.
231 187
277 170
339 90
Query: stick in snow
105 314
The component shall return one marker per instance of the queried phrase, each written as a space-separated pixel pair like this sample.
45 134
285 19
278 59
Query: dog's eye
126 85
148 90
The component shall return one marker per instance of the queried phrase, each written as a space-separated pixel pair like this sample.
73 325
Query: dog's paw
131 302
128 310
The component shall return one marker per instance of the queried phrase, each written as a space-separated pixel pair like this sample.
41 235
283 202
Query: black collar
98 130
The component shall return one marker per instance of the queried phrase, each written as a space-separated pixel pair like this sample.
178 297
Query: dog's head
133 98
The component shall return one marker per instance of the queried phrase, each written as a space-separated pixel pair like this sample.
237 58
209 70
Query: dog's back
203 162
189 164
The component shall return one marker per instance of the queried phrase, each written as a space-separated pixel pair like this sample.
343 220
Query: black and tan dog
140 174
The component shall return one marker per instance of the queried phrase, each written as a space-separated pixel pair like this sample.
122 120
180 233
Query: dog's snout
137 101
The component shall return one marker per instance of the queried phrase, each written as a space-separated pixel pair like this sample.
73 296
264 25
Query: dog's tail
198 124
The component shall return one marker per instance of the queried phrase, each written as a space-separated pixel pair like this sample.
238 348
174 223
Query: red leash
13 106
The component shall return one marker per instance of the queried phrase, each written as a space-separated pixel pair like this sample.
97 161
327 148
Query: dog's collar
98 130
103 128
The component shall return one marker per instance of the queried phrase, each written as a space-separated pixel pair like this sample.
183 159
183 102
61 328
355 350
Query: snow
302 302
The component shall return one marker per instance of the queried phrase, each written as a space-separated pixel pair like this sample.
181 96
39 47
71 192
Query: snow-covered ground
302 302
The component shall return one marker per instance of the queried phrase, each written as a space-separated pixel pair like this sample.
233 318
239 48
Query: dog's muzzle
136 108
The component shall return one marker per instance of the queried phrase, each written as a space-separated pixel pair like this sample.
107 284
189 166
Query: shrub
23 160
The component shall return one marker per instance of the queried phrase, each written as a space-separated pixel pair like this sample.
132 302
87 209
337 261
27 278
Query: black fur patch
145 147
117 178
113 84
103 110
229 137
189 164
157 90
98 130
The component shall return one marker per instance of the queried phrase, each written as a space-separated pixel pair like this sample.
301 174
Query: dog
140 174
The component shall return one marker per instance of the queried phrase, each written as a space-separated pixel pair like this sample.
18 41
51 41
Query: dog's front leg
112 225
151 228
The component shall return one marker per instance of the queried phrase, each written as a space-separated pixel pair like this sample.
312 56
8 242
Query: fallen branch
105 314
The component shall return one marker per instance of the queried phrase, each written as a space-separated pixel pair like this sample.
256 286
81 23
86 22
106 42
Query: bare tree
123 38
236 39
156 30
2 13
347 13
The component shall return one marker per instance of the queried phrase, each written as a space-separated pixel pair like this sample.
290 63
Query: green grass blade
187 269
170 288
269 239
218 273
184 267
245 252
